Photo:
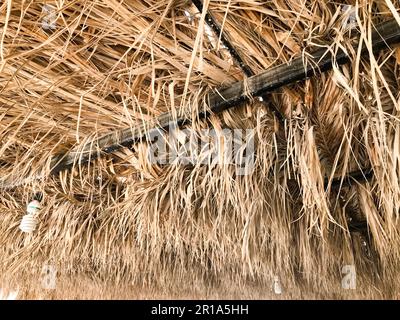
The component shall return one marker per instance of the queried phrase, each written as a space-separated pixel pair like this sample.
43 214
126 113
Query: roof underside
72 73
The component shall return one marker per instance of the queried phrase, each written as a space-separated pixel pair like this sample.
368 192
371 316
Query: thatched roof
80 81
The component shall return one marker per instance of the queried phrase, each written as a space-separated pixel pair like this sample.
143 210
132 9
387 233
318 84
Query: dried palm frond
73 72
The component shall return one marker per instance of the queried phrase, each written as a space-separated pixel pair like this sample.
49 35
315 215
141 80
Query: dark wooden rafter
213 24
210 20
352 177
224 98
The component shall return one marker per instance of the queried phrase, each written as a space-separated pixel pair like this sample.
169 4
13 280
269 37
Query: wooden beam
213 24
224 98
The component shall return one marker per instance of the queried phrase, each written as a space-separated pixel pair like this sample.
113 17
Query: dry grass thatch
73 71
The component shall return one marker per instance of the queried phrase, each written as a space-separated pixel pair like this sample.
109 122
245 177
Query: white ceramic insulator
10 296
33 207
277 286
28 223
49 17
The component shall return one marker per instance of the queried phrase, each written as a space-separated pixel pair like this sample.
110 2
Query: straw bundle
72 72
